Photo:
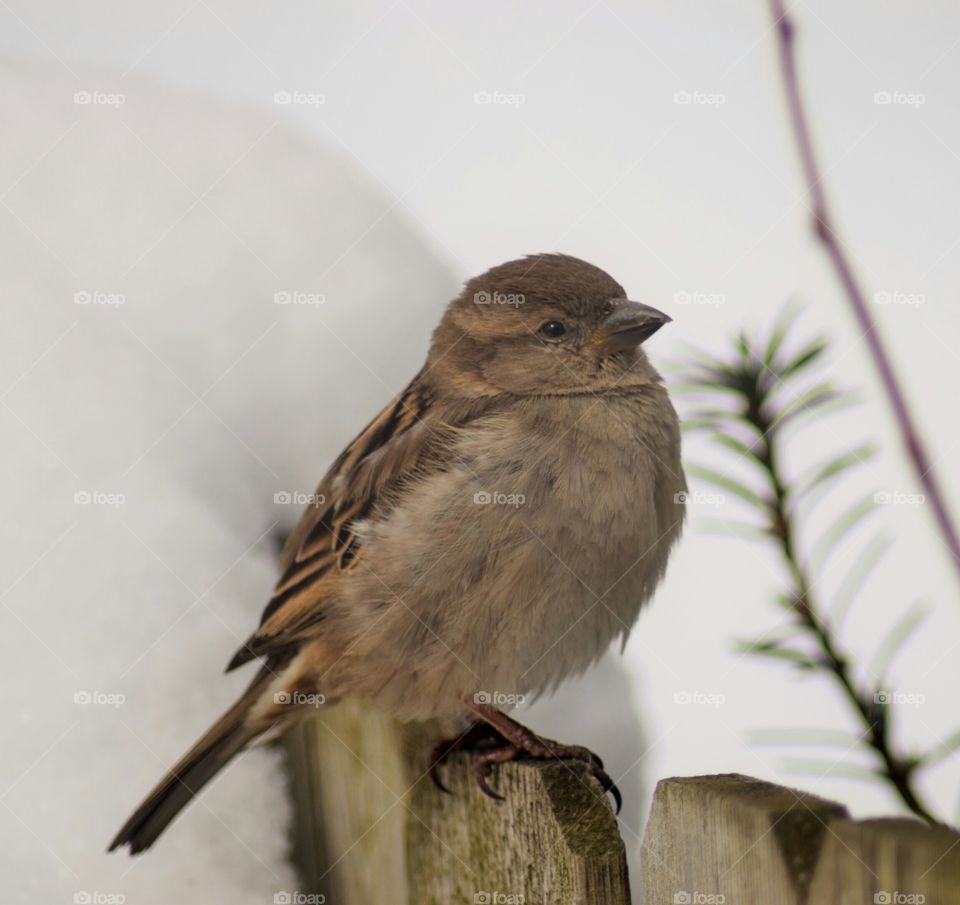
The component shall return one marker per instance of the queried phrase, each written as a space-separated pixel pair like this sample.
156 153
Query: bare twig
826 233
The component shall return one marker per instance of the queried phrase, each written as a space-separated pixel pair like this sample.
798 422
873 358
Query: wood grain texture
724 840
371 827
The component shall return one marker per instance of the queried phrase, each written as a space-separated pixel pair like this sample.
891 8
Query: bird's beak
628 325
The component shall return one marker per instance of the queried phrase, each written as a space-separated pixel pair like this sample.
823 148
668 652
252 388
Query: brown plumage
412 583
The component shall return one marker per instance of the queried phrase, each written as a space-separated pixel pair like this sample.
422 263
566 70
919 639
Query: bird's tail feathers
230 735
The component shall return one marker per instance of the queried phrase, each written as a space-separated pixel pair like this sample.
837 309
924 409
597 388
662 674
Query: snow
179 412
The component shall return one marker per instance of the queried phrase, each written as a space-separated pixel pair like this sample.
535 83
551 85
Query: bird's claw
607 784
478 737
483 766
546 749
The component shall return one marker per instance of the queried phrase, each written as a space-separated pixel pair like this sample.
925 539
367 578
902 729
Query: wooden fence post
372 828
733 840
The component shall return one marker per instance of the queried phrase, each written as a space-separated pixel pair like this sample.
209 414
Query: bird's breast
519 563
594 480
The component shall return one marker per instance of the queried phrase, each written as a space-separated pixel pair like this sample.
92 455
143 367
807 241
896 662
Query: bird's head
544 324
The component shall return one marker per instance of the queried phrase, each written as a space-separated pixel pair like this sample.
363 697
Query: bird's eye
552 330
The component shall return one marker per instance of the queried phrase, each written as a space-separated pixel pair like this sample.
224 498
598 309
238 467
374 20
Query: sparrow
488 535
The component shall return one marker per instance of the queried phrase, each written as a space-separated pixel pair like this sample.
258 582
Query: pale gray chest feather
586 491
599 486
519 564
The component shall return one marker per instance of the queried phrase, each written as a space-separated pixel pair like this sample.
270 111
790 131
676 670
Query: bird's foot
479 737
517 742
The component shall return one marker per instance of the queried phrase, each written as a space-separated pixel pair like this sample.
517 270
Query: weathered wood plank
371 827
732 839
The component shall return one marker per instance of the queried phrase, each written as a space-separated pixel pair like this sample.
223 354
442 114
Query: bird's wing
408 440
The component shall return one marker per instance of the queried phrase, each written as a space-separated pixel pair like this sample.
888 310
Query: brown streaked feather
223 741
405 441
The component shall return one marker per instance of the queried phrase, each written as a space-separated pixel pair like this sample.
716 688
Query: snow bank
168 365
